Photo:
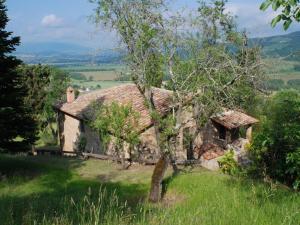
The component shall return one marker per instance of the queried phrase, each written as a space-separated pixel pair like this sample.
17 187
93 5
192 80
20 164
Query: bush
274 148
228 164
293 161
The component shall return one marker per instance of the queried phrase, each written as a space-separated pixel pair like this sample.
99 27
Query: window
222 132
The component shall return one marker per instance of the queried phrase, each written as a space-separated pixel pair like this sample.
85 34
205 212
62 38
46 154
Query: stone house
211 141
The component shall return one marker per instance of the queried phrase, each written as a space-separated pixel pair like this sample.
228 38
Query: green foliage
228 164
15 117
278 139
215 22
46 87
119 121
138 23
290 10
293 164
77 76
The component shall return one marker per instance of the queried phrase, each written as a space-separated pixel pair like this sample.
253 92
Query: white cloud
51 21
256 22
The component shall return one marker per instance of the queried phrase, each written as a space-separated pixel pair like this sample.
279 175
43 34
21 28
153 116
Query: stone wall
69 129
93 141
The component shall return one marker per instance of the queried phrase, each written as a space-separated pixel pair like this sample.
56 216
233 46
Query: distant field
285 76
99 67
98 84
109 75
282 69
96 76
101 75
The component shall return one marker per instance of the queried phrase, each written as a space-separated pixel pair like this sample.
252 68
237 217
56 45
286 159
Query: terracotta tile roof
123 94
233 119
212 151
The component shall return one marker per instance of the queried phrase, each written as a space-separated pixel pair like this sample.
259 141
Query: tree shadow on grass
57 188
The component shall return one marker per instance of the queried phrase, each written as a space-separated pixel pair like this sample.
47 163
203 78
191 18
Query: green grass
282 69
101 67
101 75
56 190
285 76
94 84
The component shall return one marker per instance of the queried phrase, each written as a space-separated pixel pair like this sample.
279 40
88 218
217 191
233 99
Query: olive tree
139 25
206 62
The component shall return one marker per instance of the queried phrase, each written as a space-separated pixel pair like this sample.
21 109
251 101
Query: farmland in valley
97 76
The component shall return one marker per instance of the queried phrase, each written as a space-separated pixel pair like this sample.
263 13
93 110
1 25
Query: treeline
28 94
278 84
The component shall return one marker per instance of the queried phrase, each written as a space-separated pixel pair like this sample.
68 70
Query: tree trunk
123 163
157 178
173 163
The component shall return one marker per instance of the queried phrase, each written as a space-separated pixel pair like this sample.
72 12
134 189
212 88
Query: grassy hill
284 46
64 191
282 60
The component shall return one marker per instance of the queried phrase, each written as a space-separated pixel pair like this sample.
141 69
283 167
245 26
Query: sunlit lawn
56 190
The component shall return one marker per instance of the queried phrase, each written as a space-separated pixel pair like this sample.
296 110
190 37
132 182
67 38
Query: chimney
70 95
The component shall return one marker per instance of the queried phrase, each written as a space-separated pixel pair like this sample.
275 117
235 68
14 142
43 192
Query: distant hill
286 46
280 46
44 48
57 53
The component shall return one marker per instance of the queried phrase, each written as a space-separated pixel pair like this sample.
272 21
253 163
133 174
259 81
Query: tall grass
104 209
53 194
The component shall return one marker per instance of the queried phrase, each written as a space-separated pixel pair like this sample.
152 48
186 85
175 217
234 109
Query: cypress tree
15 119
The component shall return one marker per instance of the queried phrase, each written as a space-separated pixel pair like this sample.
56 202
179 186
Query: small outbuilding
230 123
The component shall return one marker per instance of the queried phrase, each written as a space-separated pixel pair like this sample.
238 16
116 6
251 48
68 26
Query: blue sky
67 21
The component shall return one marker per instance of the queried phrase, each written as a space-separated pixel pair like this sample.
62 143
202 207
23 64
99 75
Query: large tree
139 25
208 65
46 86
15 117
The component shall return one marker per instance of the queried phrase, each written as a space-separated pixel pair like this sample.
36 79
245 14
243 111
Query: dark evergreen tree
15 118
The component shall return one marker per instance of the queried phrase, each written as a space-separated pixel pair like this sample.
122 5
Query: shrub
293 162
274 148
228 164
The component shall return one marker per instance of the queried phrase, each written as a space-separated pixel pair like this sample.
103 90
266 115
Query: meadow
282 69
106 75
98 76
58 190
